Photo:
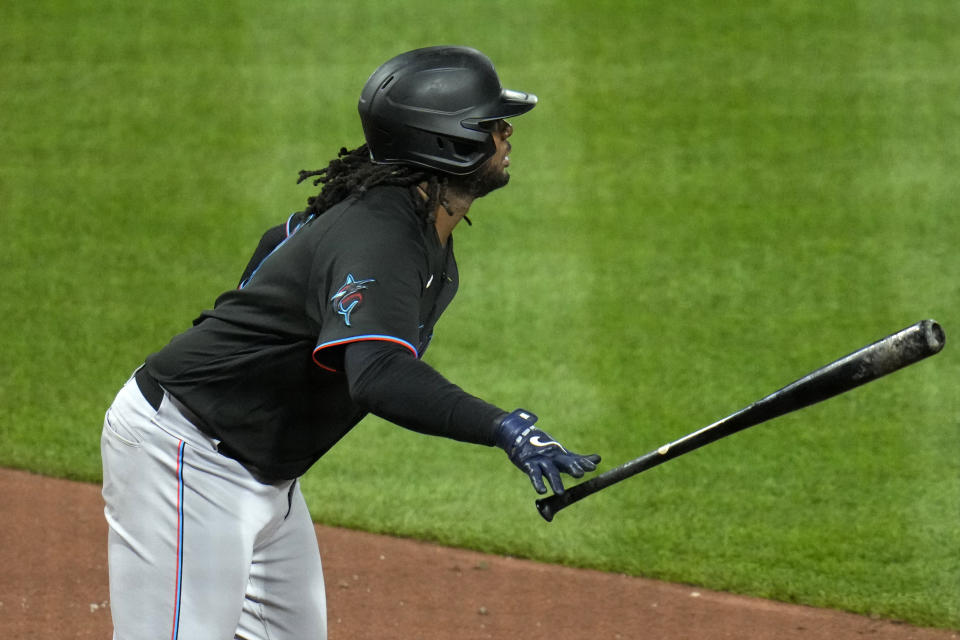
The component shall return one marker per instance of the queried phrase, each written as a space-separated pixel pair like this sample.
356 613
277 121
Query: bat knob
545 509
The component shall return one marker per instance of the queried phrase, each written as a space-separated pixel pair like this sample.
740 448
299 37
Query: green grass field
711 200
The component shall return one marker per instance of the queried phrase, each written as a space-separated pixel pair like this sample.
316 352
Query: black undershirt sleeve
268 242
388 381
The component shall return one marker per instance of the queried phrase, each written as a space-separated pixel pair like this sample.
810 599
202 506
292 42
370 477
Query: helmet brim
512 103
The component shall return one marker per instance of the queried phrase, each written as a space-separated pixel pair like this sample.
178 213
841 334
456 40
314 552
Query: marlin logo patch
349 295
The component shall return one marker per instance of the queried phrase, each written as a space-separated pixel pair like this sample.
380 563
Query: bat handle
549 506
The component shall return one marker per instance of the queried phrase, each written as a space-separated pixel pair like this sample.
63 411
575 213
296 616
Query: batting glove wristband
537 454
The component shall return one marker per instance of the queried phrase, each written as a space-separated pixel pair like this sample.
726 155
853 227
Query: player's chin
478 184
502 179
490 181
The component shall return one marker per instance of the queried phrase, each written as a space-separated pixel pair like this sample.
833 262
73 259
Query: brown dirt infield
54 585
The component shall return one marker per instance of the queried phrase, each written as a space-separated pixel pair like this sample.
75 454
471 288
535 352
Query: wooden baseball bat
896 351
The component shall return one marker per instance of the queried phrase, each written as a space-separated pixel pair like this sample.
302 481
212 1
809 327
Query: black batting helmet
429 107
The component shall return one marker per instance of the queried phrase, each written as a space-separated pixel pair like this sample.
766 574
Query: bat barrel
896 351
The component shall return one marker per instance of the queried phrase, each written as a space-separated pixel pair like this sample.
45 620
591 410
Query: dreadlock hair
352 171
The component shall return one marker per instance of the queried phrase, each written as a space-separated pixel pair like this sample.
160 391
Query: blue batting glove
537 454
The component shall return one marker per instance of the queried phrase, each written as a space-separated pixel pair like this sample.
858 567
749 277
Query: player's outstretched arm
389 382
538 455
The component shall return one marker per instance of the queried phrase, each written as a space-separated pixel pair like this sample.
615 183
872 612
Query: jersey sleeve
371 289
384 380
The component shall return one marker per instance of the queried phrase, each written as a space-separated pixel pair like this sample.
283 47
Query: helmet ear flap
442 152
422 107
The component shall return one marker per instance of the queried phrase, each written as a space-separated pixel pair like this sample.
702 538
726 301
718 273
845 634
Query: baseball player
209 535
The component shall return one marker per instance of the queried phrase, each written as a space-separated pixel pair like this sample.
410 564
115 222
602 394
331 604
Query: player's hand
537 454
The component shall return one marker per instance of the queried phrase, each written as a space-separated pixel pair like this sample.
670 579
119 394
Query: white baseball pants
198 549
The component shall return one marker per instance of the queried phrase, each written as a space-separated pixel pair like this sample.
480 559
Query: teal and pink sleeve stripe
346 341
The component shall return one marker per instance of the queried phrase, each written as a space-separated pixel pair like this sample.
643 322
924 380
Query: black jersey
263 369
